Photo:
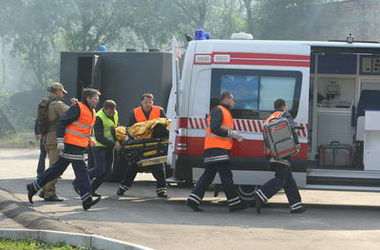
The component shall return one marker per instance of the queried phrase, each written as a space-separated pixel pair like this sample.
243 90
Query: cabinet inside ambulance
344 109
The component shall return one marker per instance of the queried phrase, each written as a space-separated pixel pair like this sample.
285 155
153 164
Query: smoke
14 75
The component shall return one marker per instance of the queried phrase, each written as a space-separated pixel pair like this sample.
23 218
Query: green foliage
90 23
33 38
38 29
283 19
31 244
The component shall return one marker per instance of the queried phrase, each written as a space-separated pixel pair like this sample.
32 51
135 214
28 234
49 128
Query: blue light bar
102 48
201 35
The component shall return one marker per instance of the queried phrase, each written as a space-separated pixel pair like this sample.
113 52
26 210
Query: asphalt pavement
334 219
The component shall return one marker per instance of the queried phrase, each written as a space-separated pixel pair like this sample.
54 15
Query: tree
249 12
90 23
280 19
33 38
5 34
225 18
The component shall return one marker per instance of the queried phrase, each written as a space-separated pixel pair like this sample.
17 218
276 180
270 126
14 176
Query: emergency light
201 35
102 48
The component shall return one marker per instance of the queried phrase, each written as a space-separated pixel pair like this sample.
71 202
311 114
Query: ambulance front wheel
246 192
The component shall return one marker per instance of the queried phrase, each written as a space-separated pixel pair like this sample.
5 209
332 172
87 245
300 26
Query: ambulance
332 90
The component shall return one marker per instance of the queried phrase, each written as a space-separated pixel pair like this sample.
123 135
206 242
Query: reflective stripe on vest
215 141
82 125
140 116
107 125
78 133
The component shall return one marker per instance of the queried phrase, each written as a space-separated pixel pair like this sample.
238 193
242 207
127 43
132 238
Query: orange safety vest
78 133
140 116
276 114
214 141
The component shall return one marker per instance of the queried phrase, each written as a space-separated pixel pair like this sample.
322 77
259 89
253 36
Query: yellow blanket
141 130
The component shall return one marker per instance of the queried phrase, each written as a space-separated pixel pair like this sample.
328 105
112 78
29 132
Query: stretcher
146 152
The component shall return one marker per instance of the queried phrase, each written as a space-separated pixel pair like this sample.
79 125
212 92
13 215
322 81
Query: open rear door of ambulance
172 108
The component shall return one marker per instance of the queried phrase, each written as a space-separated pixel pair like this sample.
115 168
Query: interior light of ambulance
222 58
203 59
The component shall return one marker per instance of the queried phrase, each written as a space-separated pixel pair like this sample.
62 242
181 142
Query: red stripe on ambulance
262 59
247 148
242 125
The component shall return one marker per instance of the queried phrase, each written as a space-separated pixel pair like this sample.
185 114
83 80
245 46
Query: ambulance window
244 88
256 90
276 88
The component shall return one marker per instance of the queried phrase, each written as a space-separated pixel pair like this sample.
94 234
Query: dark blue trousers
41 160
225 174
283 178
158 173
103 158
58 168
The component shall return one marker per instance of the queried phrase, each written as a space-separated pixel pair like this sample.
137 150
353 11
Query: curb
22 213
78 240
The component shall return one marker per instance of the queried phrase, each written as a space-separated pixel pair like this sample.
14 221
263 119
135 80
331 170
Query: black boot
96 195
42 194
240 206
162 194
298 210
31 192
89 202
53 198
258 203
120 192
193 205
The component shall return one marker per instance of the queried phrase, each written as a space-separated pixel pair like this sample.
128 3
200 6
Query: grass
19 140
30 244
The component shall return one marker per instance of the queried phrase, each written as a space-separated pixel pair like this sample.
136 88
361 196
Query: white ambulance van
331 89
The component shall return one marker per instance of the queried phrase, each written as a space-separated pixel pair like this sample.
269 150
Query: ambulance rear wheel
246 192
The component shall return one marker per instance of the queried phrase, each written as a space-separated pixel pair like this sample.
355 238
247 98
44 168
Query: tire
246 192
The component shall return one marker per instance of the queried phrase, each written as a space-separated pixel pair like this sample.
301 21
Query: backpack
43 115
279 139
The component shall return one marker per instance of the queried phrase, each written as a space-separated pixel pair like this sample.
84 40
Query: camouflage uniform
55 110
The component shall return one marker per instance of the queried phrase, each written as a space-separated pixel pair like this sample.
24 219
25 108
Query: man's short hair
88 93
279 103
225 95
109 104
147 95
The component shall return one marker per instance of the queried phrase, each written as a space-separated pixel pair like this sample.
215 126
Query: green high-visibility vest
107 125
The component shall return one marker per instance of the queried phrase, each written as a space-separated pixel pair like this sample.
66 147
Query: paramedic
73 137
147 111
218 142
104 130
283 174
